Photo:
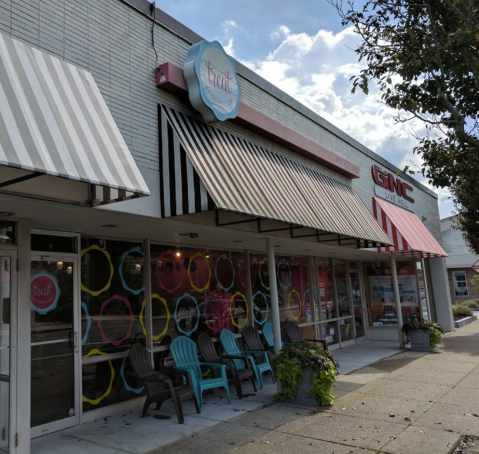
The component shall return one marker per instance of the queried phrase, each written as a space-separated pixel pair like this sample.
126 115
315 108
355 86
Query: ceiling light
277 245
109 226
178 252
237 241
60 265
307 250
6 213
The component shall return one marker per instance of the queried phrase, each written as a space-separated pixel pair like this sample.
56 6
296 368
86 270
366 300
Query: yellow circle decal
112 270
95 351
289 305
259 272
200 290
143 327
231 311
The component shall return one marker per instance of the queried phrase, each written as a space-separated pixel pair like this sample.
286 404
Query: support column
273 292
442 294
397 299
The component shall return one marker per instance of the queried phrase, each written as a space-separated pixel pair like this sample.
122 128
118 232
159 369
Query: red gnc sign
392 184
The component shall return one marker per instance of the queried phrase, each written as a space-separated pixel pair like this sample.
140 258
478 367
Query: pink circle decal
104 337
216 313
44 292
163 271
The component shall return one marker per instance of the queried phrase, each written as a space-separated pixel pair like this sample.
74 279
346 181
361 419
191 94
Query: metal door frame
11 252
72 420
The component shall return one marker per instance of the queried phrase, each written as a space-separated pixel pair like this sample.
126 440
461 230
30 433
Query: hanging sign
213 86
44 292
389 187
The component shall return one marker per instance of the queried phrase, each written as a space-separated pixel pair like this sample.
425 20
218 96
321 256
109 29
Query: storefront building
462 265
138 204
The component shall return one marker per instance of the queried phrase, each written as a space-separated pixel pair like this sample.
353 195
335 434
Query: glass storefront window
112 318
331 332
357 304
326 292
342 289
260 289
197 291
294 294
381 305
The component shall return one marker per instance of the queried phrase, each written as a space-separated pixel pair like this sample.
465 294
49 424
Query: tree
424 57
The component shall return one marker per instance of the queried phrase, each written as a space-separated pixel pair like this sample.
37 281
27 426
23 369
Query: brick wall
112 40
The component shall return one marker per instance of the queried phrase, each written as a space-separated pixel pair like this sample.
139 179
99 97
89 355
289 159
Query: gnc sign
389 187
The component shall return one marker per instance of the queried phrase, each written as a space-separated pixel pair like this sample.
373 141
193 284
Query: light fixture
307 250
138 267
109 226
277 245
178 252
69 270
159 263
237 241
60 265
207 254
6 213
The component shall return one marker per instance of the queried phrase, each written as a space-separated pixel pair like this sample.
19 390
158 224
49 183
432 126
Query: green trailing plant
435 331
461 311
290 365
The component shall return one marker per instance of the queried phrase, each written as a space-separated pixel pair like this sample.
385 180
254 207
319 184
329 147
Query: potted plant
306 371
423 335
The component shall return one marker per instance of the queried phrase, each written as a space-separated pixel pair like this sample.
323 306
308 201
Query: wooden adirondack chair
293 334
185 354
209 353
158 385
268 334
253 342
231 347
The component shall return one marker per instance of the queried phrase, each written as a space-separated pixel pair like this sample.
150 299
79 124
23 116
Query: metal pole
249 288
397 299
273 292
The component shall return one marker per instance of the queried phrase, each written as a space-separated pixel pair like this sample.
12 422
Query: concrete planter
465 321
420 340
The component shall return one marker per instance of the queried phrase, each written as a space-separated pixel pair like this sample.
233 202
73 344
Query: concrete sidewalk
406 404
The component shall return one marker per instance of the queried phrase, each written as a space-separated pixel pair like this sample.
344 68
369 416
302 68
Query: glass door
7 295
54 344
357 304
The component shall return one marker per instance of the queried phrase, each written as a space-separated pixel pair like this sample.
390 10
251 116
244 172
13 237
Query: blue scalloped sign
44 292
213 85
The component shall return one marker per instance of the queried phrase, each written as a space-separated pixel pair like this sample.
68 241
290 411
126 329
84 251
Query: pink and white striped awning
406 231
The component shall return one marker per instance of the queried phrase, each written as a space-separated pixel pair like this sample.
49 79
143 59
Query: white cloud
316 70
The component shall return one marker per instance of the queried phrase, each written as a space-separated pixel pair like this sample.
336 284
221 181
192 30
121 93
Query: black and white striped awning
205 168
53 120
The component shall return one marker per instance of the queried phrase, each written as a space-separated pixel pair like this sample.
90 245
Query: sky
302 48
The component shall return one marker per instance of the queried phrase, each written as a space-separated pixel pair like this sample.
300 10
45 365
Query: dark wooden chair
158 385
253 342
293 335
209 354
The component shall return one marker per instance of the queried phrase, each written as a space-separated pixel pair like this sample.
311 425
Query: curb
465 321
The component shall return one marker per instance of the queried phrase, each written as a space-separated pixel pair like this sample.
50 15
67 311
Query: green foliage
462 311
290 364
474 281
435 337
424 57
473 303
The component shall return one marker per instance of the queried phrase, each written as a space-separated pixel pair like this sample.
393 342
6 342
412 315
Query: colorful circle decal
193 285
294 317
88 323
142 316
180 329
112 270
304 302
136 250
261 322
127 386
215 307
175 264
279 278
225 257
44 292
104 337
95 351
265 260
239 326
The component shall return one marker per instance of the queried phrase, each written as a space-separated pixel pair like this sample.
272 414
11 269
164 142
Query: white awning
53 120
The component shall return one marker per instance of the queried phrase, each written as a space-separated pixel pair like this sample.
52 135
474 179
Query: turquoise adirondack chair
231 347
185 355
268 334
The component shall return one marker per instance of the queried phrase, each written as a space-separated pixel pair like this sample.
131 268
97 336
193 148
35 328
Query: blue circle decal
120 271
225 257
180 329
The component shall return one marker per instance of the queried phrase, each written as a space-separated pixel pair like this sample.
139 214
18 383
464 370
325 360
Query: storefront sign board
391 188
213 85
